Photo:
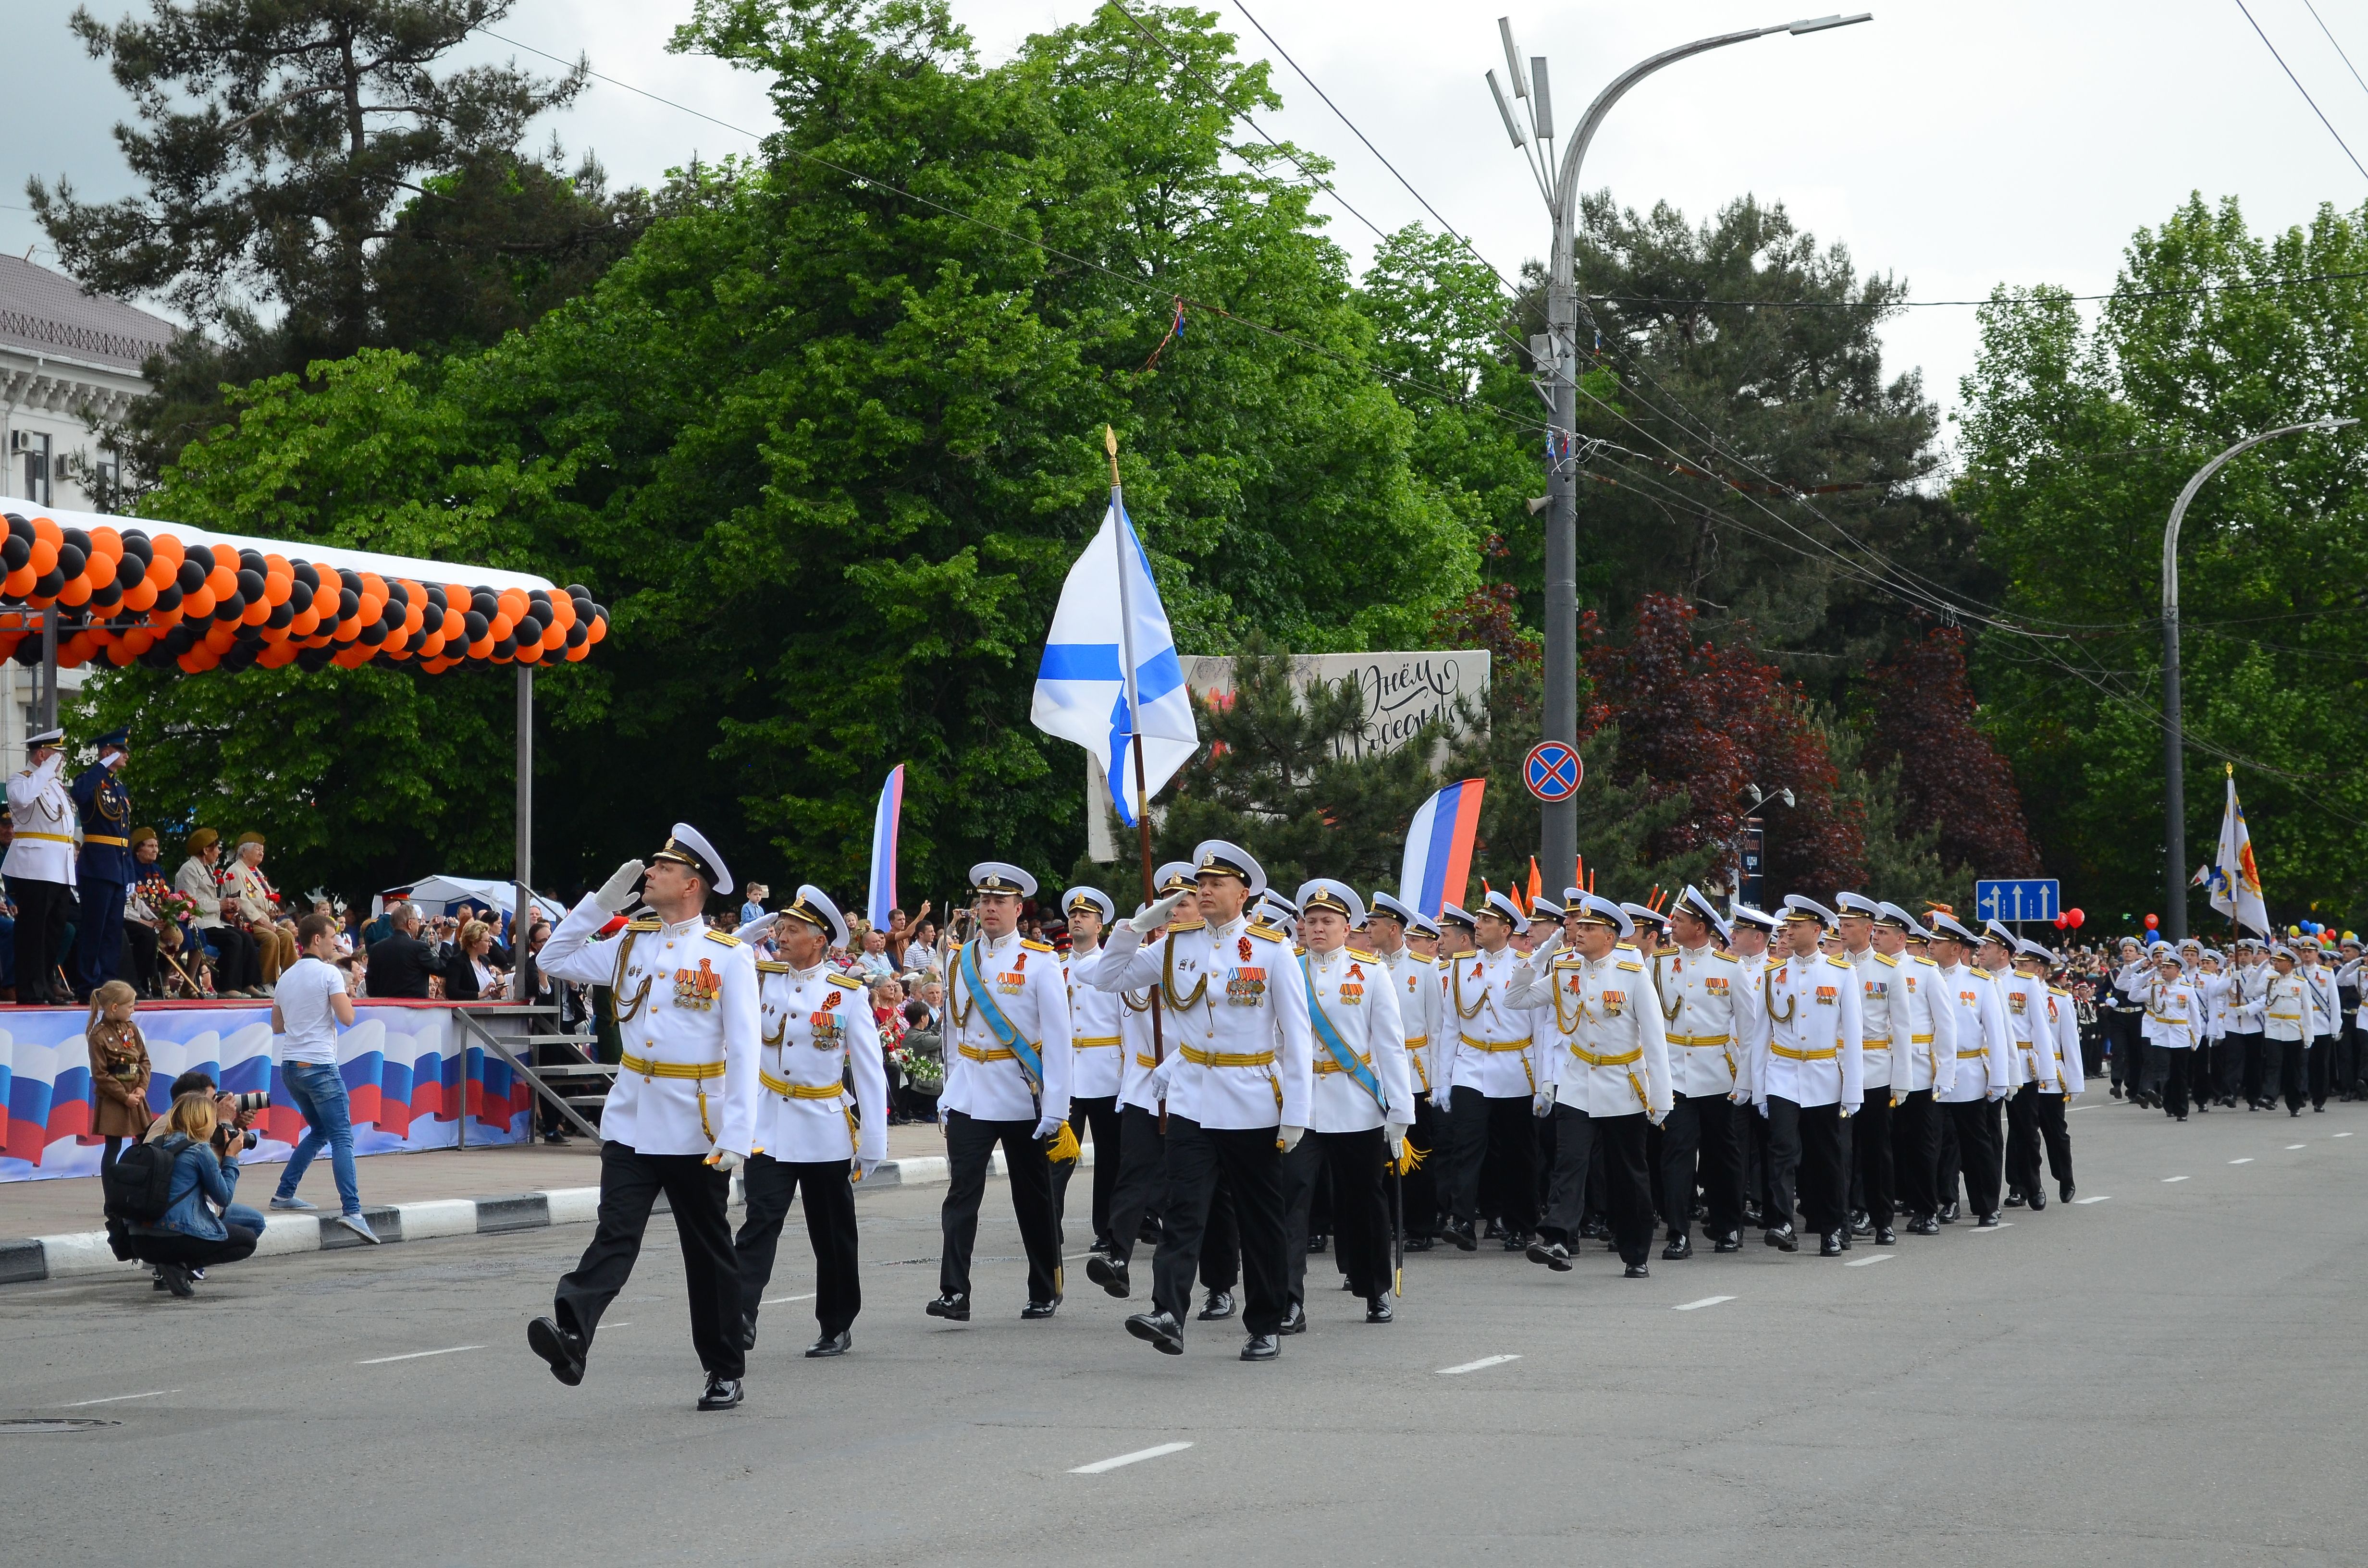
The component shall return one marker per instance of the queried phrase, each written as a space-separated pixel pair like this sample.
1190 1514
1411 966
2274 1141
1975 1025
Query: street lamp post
1559 845
2174 796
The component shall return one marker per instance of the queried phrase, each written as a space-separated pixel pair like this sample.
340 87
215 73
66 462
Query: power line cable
2340 54
2303 90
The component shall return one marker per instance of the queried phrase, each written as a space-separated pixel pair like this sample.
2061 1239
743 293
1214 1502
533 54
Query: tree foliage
1952 775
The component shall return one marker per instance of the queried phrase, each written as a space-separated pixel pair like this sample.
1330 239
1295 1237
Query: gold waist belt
1326 1065
1880 1042
1416 1041
1789 1054
1143 1060
1698 1041
1594 1060
698 1071
1227 1058
102 838
790 1091
1092 1041
1496 1048
1000 1053
47 837
1920 1040
1971 1055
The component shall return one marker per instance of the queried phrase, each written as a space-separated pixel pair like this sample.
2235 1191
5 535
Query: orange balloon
20 583
220 637
274 634
599 630
119 655
531 654
44 559
188 661
165 619
501 628
304 625
223 581
575 655
352 658
454 625
563 611
169 554
46 531
75 593
199 605
276 586
373 606
138 640
275 562
483 648
414 616
141 597
100 569
106 542
555 638
225 557
349 627
257 613
161 571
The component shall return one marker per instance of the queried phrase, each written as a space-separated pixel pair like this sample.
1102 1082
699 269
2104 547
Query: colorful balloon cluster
2071 920
131 596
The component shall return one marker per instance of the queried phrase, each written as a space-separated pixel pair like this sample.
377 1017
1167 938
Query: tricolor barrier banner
406 1067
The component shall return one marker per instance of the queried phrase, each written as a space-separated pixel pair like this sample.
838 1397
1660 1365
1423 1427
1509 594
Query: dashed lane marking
2100 1197
1697 1306
448 1350
1485 1361
1868 1262
1099 1466
2168 1179
118 1398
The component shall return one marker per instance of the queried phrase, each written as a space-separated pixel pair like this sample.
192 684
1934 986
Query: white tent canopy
305 549
431 891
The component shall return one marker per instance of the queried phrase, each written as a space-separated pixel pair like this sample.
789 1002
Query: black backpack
139 1187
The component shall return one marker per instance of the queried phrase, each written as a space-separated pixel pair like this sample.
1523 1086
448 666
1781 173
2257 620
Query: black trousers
2229 1060
2171 1083
969 1142
1979 1151
1916 1152
830 1227
1100 1114
42 909
2023 1139
99 936
1951 1185
698 1193
140 956
2347 1058
1808 1157
1622 1180
241 963
1248 1161
1702 1139
2122 1039
2054 1130
1361 1208
1503 1133
195 1252
2320 1061
1143 1187
1420 1186
2288 1072
1870 1155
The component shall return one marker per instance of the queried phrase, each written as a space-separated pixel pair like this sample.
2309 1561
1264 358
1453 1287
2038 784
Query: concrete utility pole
2174 737
1559 185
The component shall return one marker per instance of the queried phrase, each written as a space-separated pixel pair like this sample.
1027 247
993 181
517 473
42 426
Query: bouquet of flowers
168 903
925 1075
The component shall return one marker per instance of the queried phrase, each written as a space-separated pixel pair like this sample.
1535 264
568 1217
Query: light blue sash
1031 1062
1351 1062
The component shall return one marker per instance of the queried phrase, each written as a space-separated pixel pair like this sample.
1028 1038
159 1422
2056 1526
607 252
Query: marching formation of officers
1267 1077
2189 1028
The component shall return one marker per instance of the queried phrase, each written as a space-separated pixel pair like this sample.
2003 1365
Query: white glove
1762 1107
615 894
1048 1127
1150 917
1851 1110
1547 948
1393 1136
863 1167
755 930
1997 1095
1161 1073
1541 1104
1290 1137
727 1161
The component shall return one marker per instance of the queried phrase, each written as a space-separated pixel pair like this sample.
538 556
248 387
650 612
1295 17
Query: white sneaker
279 1203
360 1227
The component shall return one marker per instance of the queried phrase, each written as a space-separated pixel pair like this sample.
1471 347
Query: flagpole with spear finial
1134 726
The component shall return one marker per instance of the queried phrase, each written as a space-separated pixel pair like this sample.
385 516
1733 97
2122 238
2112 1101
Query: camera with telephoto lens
253 1100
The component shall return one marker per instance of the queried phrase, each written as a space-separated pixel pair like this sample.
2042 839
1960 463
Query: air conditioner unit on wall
24 441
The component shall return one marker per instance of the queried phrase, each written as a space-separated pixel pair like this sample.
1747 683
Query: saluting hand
615 894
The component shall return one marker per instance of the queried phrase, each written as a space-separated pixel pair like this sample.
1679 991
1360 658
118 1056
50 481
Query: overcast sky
1957 145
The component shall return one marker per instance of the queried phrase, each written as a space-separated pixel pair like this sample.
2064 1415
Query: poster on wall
404 1065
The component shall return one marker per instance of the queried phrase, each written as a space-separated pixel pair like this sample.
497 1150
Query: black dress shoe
1495 1231
1782 1238
953 1308
1420 1244
1459 1233
1596 1230
723 1393
2014 1200
1319 1242
1988 1221
1849 1241
1752 1214
2065 1190
747 1335
1516 1240
1553 1255
1730 1242
1638 1271
1830 1244
1219 1306
1861 1225
1885 1237
1294 1320
1261 1348
1158 1330
1680 1246
2038 1201
1147 1234
1377 1310
1923 1225
1101 1244
1948 1212
1036 1311
563 1350
830 1345
1111 1277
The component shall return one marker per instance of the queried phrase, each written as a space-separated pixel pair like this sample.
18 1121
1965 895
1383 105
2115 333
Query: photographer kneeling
190 1234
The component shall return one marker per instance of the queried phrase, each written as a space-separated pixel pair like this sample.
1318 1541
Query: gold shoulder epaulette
1174 926
1886 960
1631 967
726 938
1036 946
1838 963
1919 958
649 925
1362 957
771 966
2057 991
1297 951
854 977
1267 933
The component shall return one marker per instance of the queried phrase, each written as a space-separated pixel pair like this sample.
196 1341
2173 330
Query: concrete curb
31 1259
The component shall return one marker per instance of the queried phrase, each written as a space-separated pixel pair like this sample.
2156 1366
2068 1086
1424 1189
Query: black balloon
16 551
192 575
168 598
46 586
77 539
477 625
349 603
71 559
250 583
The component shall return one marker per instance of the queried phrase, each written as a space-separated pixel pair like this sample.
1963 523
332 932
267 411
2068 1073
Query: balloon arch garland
142 596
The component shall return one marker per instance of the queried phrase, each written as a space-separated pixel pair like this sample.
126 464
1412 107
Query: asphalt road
2166 1374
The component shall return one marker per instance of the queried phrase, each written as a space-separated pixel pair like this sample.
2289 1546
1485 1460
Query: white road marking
1135 1457
1476 1366
448 1350
1697 1306
1864 1262
2341 1135
2246 1161
2174 1179
118 1398
779 1300
2100 1197
2290 1147
2002 1225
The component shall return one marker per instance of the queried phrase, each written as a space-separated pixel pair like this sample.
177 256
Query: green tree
2077 441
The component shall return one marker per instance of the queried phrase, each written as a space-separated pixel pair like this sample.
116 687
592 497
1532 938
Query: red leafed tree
1710 720
1949 772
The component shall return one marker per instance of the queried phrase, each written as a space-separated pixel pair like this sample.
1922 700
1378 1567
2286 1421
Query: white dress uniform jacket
1237 1013
1096 1034
44 848
1879 986
2215 993
691 1022
1709 1003
2326 1001
1926 1057
2026 1020
2170 1016
1492 1049
1607 1053
1422 1003
1808 1050
2285 1008
2064 1012
983 1079
1984 1051
819 1024
1360 995
2248 988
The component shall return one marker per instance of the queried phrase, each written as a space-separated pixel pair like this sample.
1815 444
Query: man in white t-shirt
307 1004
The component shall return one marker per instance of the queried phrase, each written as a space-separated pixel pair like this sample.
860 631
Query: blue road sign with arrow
2019 898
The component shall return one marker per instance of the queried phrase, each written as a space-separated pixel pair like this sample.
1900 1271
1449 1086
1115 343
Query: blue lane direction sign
1553 771
2019 898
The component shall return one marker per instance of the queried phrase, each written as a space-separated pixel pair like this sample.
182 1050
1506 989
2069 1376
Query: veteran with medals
682 1116
1008 1071
817 1026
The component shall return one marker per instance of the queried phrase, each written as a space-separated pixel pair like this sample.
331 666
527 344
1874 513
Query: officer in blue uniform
106 868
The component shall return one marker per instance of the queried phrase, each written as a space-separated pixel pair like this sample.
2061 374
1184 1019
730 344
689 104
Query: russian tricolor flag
885 820
1439 848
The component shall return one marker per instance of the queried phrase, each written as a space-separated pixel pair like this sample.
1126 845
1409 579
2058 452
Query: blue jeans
320 1096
